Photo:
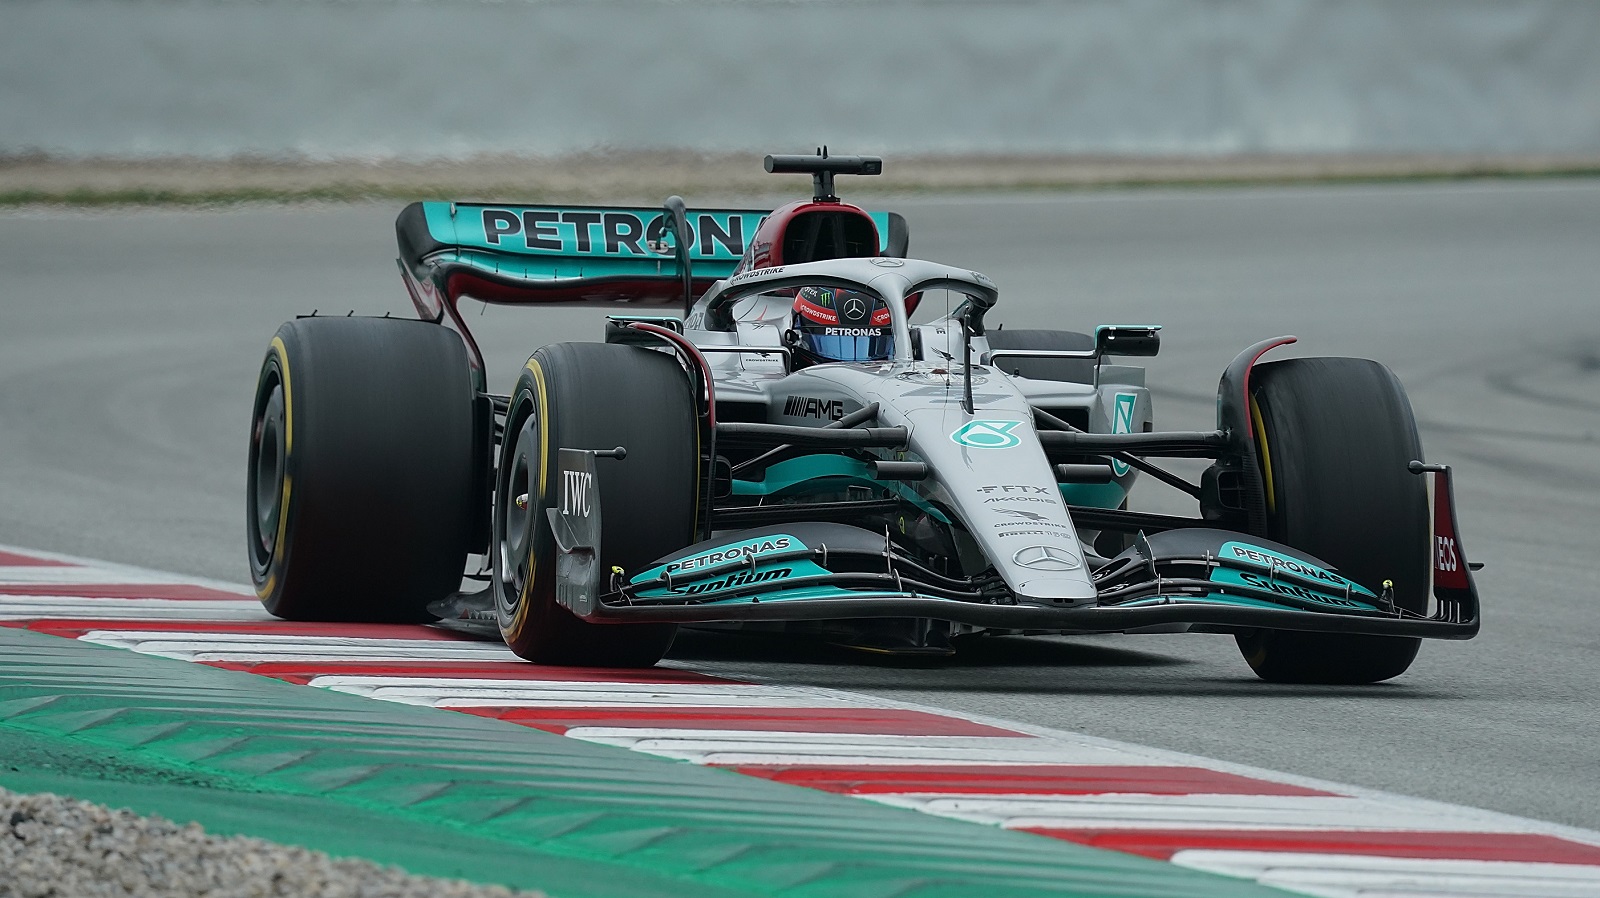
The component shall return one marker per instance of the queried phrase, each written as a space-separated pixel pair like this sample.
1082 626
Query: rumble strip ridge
1289 832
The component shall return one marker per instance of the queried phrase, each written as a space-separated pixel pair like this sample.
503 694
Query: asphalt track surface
129 343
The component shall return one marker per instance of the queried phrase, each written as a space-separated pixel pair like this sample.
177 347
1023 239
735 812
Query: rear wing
564 254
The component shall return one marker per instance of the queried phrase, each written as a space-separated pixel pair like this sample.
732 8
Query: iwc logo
1046 558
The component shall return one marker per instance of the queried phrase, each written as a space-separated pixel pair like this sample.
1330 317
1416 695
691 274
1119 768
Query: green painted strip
1094 495
449 794
793 477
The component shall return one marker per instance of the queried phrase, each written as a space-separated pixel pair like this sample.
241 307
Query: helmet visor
872 347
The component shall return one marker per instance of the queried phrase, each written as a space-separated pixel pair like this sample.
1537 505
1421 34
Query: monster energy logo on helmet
837 325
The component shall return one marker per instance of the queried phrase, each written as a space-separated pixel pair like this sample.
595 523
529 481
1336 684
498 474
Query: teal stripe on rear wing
534 254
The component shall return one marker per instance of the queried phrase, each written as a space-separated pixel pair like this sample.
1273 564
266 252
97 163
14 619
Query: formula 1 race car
801 451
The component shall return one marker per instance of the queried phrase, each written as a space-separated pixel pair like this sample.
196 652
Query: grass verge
646 178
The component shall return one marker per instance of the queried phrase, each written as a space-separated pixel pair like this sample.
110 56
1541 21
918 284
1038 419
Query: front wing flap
1194 578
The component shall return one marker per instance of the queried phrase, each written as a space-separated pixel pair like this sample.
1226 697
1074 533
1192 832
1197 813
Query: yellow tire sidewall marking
265 589
542 408
1266 454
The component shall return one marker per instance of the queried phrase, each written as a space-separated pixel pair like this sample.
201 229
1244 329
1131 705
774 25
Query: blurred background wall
451 78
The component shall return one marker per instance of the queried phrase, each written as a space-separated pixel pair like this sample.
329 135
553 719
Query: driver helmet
833 324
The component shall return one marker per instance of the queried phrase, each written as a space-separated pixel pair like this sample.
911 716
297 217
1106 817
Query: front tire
360 474
1334 437
593 396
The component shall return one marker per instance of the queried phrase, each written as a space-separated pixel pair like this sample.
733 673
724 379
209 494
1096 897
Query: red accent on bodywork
766 247
424 296
636 292
452 314
1468 846
695 355
1029 779
1281 341
446 311
861 721
1449 561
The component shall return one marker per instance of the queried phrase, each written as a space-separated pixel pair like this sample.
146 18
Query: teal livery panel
513 254
596 240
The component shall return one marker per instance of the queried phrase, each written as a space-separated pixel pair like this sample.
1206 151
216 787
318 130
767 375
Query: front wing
1193 579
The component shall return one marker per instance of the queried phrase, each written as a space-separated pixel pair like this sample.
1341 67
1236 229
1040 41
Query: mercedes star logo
1047 558
887 262
854 309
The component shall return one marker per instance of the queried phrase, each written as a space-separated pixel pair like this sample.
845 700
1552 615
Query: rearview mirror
1127 339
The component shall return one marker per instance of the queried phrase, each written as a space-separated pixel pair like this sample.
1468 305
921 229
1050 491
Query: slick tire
1077 371
593 396
1334 437
360 477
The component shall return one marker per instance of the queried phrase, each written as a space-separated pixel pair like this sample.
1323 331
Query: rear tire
1077 371
360 472
1334 437
593 396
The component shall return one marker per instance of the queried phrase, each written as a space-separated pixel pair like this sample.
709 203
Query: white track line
43 576
1364 876
253 647
1488 820
105 572
750 749
1190 812
70 607
590 695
